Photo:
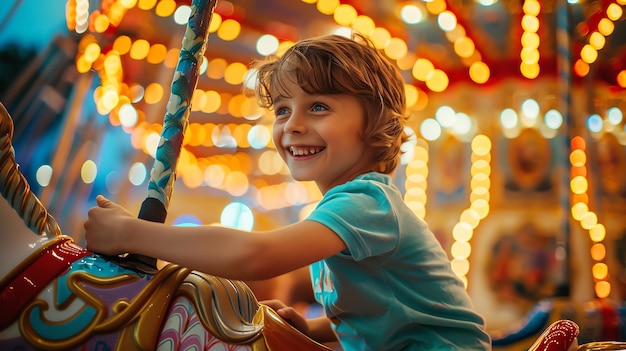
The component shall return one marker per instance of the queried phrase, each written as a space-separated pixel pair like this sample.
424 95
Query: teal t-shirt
392 288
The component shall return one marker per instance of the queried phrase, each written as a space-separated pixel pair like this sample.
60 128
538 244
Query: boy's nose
295 124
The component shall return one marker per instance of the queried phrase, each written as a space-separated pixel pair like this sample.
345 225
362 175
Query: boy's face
319 136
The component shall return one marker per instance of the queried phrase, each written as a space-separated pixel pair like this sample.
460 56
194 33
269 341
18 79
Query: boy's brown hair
335 64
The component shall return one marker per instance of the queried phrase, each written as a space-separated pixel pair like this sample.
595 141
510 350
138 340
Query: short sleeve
362 215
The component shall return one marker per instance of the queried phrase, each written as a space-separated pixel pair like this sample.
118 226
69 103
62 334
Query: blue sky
33 24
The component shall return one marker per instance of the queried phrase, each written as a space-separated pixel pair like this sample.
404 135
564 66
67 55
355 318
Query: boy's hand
104 227
290 314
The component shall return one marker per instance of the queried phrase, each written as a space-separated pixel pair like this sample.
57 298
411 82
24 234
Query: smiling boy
382 277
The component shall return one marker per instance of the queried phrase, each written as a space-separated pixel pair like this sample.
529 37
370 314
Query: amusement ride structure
526 153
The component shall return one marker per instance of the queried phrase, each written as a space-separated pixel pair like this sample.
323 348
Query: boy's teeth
302 151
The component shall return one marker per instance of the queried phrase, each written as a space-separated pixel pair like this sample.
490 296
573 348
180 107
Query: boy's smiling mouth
304 150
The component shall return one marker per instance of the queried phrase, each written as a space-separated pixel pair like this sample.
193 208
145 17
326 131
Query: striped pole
163 174
564 80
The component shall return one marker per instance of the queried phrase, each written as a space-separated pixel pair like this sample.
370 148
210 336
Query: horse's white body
18 241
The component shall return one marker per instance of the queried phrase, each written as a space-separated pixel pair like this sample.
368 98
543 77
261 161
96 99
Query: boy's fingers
104 202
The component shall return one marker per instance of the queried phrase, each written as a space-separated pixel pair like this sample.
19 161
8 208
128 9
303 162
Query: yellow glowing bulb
579 185
600 270
598 252
597 232
589 220
603 289
578 210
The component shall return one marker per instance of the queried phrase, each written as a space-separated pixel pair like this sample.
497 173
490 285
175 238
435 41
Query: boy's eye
318 107
280 111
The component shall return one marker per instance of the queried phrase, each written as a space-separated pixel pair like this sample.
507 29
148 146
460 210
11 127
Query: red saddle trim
51 262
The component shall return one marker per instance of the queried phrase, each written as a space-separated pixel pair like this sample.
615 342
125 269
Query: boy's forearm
207 249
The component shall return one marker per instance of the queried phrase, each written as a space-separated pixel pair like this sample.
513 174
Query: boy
382 277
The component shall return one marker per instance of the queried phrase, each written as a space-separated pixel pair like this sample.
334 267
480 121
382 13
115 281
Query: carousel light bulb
531 7
530 71
589 54
481 206
165 8
614 12
530 23
595 123
471 217
606 27
598 252
578 210
600 271
88 172
181 15
447 21
597 233
589 220
464 47
603 289
411 14
216 22
157 54
480 167
614 115
267 44
43 175
479 72
437 81
139 49
146 4
579 185
481 144
210 102
396 48
480 193
237 215
581 68
530 40
229 30
363 24
461 249
578 158
597 40
462 124
327 7
345 14
430 129
462 231
235 73
422 69
460 266
553 119
380 36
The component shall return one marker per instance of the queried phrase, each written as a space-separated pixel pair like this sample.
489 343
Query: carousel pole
564 80
163 172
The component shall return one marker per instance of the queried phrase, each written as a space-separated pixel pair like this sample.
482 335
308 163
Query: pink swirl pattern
183 331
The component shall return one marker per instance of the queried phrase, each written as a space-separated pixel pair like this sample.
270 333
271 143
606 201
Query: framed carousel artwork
450 171
527 162
610 159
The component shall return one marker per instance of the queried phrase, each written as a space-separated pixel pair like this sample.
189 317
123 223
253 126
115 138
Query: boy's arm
318 329
215 250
